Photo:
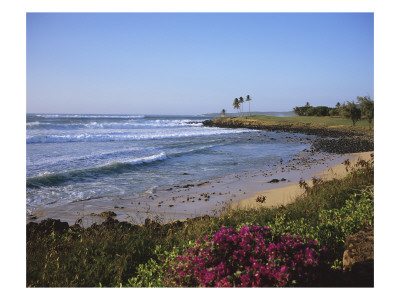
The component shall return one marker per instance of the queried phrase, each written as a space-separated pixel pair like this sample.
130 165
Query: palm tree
248 99
241 100
236 104
223 112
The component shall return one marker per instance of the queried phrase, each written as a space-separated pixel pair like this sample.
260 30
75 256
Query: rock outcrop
358 258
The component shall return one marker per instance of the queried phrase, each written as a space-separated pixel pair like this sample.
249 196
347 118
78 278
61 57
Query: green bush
333 225
331 230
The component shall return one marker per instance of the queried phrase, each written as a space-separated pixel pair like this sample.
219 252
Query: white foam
124 136
90 116
131 124
70 158
147 159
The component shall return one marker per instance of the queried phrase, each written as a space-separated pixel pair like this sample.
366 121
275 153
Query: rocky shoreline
331 139
199 198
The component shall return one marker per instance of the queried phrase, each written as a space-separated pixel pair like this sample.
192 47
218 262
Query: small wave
131 124
52 116
34 124
144 124
51 179
100 155
88 137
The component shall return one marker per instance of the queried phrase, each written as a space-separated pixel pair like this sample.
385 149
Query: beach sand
279 183
288 193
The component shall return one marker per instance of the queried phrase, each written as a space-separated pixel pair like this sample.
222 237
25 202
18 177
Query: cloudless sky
195 63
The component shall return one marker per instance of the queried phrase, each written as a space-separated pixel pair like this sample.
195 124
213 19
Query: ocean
75 157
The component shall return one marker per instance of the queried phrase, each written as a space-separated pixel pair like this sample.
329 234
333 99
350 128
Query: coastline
287 194
278 183
206 197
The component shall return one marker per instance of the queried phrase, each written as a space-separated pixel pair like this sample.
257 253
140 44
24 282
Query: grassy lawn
329 121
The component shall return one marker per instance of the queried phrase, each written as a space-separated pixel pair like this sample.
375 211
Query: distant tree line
320 111
350 110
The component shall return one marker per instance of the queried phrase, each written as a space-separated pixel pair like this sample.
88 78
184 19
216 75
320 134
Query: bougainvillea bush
250 257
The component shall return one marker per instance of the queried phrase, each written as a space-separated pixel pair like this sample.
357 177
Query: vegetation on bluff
348 110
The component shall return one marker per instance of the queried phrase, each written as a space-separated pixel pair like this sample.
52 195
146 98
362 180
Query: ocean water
83 157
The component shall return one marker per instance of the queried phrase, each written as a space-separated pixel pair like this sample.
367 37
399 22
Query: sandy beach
279 184
288 193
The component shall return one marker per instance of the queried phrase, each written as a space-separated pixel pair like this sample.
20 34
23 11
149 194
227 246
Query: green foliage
367 108
300 110
248 99
330 229
154 272
319 111
100 255
333 225
351 111
236 104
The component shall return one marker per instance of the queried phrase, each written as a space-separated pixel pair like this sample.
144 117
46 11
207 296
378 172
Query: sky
195 63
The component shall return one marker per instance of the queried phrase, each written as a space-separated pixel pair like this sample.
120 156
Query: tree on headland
241 101
223 112
367 108
351 111
236 104
248 99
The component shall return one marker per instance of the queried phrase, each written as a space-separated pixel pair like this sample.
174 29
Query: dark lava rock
195 219
111 223
338 140
105 214
152 224
46 227
273 181
358 258
344 145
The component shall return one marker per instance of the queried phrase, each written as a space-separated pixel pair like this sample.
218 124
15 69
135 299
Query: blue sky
194 63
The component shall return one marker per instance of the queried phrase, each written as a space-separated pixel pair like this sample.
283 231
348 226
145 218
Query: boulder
273 180
358 257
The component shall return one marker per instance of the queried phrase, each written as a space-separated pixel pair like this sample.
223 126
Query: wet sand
279 183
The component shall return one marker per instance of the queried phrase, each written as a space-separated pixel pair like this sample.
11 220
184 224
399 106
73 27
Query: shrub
153 273
300 111
351 111
333 225
367 108
250 257
318 111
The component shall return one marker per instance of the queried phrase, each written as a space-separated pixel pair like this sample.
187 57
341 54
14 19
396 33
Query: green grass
329 121
132 256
